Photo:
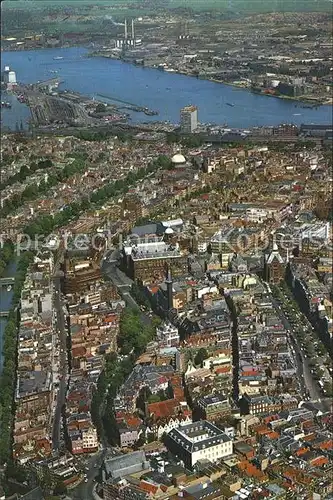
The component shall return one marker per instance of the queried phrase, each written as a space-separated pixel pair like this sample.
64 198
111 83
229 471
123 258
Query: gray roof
124 465
210 400
146 229
184 436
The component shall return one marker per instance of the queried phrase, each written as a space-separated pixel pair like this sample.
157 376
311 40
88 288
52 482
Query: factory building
189 119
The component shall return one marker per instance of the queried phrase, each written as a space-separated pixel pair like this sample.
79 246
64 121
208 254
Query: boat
57 58
230 104
148 112
6 104
9 288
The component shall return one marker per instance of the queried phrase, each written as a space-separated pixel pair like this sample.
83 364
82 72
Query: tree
100 108
201 355
60 489
154 398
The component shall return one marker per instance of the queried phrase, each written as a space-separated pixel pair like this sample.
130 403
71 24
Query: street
306 380
62 333
92 465
109 266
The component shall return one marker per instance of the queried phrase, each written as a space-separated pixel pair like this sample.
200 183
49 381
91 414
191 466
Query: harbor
127 86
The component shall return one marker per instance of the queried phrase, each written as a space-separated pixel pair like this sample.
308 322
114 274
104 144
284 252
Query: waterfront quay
161 91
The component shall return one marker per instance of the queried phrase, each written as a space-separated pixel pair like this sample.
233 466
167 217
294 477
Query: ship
57 58
148 112
230 104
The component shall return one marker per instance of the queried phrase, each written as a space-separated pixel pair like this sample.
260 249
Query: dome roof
178 158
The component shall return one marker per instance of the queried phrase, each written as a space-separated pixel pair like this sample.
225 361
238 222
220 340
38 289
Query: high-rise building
189 119
9 76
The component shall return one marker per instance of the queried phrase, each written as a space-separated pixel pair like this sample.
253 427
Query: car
86 480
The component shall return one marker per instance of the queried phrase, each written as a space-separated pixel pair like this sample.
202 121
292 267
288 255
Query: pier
129 105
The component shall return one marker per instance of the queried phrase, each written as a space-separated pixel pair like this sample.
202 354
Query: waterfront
165 92
5 303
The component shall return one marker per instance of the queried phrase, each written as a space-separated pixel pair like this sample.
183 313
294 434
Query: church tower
274 266
169 290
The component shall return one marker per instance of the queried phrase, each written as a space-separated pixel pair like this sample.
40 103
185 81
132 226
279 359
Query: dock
130 105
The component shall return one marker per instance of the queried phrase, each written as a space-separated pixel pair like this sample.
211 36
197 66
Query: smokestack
125 29
133 36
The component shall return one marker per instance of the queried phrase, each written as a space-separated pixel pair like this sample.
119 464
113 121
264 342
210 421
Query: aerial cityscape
166 261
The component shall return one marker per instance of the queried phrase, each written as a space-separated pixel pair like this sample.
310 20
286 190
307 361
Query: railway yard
51 107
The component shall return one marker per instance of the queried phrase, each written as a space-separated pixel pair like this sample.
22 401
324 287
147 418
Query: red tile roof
78 352
164 409
148 487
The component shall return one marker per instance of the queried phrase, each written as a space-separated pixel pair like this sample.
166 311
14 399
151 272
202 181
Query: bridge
4 314
7 281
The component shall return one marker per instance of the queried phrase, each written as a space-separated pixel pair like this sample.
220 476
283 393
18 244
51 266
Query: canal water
5 304
164 92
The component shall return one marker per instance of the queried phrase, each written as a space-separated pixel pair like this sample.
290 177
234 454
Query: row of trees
6 255
139 296
9 351
101 135
133 338
115 372
34 191
25 171
134 335
45 224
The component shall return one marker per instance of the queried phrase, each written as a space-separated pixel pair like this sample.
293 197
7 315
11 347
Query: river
164 92
5 303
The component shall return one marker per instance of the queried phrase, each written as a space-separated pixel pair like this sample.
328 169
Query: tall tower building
9 76
189 119
274 266
169 290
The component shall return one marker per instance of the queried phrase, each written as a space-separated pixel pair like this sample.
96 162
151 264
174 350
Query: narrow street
61 327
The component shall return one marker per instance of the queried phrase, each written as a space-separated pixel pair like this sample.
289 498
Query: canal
5 304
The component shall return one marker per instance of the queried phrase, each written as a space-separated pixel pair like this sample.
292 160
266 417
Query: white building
9 76
189 119
168 334
199 441
89 439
